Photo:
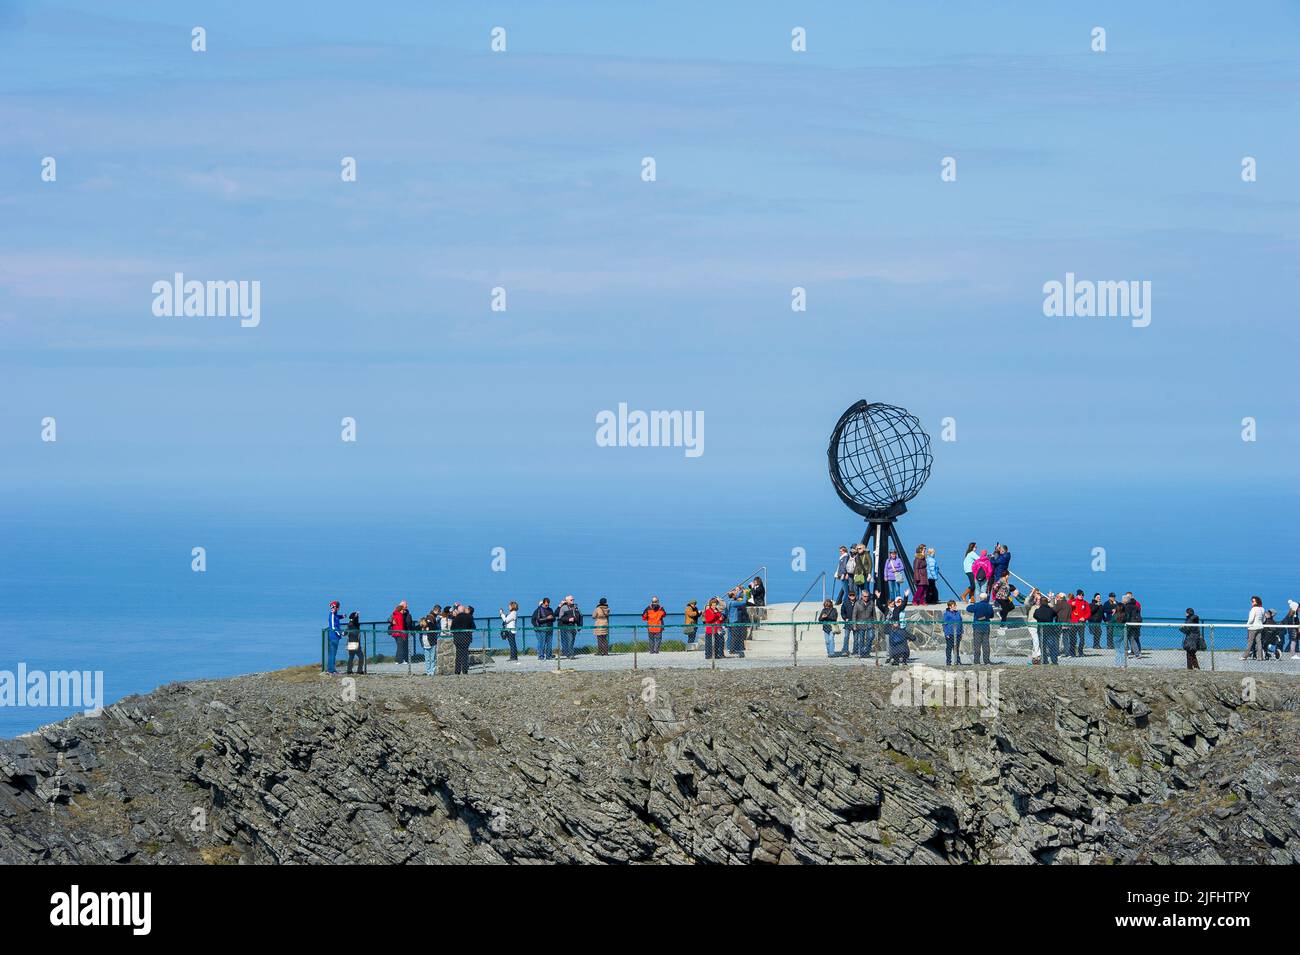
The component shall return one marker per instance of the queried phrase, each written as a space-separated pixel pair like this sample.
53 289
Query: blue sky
775 169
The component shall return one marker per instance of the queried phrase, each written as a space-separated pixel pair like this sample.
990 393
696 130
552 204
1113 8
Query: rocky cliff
780 765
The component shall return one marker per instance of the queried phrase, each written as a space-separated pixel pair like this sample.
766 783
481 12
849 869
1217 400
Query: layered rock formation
764 765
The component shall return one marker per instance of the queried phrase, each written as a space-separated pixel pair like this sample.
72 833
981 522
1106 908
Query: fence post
1211 646
633 646
487 644
794 642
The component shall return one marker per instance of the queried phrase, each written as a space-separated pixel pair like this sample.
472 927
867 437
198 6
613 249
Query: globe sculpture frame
879 459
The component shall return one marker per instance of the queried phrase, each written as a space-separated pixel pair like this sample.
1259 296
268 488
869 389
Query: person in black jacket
1049 632
462 634
1096 617
1107 612
356 650
1192 639
1133 617
544 624
569 617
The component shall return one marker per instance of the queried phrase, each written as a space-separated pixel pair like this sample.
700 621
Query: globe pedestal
882 537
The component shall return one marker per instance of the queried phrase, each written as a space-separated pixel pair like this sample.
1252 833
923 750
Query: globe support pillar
880 538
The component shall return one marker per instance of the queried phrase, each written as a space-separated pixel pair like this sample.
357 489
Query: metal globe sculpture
879 457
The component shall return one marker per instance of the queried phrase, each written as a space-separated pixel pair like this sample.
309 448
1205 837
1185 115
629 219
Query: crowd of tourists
869 609
725 624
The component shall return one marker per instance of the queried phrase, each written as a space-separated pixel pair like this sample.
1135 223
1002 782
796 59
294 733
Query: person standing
932 574
847 613
569 618
1001 561
544 625
462 635
1080 611
876 608
654 615
690 618
1096 618
355 650
399 626
827 618
983 570
333 634
1061 605
1003 593
968 568
1192 639
894 576
862 573
1255 630
713 619
1107 613
1031 604
843 575
1049 632
951 634
920 576
600 628
429 626
508 621
1291 619
981 619
864 610
1119 633
736 621
1133 616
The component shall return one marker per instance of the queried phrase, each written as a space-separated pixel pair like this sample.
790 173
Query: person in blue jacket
736 622
1001 561
951 634
334 633
981 613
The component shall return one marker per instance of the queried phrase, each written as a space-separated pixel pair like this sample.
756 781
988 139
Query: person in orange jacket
654 615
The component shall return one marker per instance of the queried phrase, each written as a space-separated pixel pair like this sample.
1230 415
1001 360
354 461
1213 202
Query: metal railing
820 578
1226 645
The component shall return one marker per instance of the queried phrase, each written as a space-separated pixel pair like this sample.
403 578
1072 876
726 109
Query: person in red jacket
713 617
1080 611
399 627
654 615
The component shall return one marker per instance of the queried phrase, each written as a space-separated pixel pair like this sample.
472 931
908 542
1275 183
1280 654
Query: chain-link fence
756 641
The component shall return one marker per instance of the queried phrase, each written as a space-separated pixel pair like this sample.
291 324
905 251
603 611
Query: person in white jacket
1255 630
508 629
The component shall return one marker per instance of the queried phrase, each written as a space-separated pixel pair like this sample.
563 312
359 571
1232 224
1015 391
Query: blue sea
102 580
